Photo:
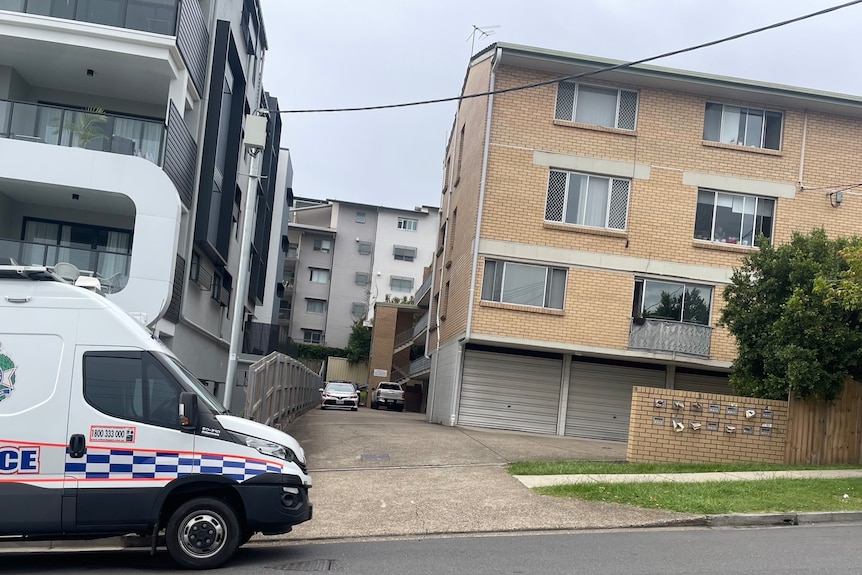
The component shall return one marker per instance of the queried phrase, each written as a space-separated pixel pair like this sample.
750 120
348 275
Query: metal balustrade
423 289
111 269
156 16
280 389
91 129
420 365
670 336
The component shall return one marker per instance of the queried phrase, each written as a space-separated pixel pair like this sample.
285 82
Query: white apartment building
343 257
120 137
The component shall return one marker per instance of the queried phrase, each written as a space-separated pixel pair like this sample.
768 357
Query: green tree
359 343
318 352
795 331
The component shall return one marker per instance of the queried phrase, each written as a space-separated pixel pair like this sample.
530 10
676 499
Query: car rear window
389 386
340 387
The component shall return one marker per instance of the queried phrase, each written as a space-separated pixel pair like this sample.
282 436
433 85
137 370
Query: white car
339 394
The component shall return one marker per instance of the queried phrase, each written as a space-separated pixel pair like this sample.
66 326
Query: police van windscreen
189 379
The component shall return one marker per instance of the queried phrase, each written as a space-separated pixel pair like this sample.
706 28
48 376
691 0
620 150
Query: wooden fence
339 369
821 432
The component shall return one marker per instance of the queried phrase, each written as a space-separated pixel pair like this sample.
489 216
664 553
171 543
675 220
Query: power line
582 74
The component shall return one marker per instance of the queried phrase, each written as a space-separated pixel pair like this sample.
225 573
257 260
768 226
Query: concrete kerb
533 481
772 519
731 520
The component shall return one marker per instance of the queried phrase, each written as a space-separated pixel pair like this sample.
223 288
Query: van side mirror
188 411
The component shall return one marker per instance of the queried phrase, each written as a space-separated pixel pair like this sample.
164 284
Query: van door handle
77 446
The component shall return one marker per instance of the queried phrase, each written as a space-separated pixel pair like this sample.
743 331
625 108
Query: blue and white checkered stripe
129 464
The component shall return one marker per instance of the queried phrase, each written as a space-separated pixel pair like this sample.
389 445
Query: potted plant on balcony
84 127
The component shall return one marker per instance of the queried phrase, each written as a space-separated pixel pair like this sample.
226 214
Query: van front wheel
202 533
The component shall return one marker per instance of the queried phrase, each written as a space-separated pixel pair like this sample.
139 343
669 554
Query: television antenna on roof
481 31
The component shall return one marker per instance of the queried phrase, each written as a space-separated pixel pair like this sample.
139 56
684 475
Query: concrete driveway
378 473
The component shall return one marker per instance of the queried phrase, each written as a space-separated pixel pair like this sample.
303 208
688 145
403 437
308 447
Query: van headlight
271 449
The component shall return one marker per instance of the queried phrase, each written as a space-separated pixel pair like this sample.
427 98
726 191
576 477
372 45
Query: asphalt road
784 550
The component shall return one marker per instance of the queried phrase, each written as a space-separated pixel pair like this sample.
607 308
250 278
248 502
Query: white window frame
408 224
318 303
308 336
494 284
608 203
322 245
619 93
744 109
320 272
360 217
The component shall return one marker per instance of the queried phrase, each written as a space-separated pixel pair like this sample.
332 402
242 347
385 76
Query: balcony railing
419 366
421 325
670 336
112 269
423 289
407 336
400 373
91 129
157 16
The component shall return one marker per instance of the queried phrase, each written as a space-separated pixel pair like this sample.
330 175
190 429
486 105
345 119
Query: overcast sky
345 53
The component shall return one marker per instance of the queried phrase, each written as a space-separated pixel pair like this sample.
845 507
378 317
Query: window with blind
597 105
587 200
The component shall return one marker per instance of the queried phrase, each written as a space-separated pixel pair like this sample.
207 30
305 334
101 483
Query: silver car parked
339 394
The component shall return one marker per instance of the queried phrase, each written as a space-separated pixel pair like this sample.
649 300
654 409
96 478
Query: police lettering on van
15 459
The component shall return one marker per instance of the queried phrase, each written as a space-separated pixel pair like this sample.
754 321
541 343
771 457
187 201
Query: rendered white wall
157 209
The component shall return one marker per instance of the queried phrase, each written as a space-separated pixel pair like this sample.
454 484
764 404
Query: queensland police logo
7 376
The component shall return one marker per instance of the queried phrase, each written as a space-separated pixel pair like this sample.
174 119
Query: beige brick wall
382 344
662 209
652 436
454 265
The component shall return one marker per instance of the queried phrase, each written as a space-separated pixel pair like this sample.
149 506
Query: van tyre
203 533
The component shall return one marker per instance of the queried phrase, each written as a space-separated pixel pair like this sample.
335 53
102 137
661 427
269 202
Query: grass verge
770 495
596 467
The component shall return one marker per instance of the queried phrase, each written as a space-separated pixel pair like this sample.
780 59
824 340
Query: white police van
103 432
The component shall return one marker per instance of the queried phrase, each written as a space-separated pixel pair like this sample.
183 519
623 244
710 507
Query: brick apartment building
589 226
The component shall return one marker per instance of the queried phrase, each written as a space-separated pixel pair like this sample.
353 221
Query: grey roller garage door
600 398
702 383
507 391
